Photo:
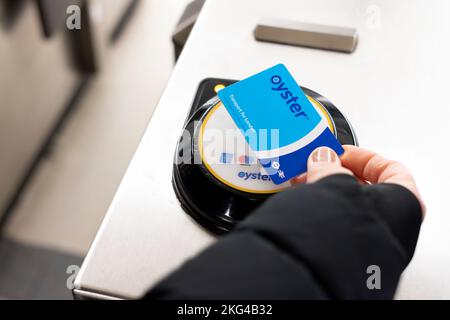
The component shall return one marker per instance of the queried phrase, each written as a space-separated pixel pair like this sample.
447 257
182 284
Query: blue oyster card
278 121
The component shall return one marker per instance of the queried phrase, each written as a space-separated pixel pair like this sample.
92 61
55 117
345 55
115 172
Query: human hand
367 166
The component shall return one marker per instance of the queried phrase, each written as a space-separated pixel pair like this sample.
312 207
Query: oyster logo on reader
287 95
253 176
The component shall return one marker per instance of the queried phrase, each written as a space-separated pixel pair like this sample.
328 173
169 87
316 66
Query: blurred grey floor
32 272
65 202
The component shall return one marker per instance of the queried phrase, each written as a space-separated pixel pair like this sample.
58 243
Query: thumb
324 162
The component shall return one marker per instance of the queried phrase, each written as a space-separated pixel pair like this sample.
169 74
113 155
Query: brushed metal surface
307 35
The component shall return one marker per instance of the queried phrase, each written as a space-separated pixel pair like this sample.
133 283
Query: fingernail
324 154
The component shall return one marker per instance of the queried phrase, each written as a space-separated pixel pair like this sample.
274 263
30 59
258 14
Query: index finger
365 164
370 166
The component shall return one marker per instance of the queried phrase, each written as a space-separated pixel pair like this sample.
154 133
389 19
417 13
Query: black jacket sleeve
313 241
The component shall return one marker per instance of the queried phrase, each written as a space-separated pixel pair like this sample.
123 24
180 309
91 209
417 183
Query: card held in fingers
280 124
